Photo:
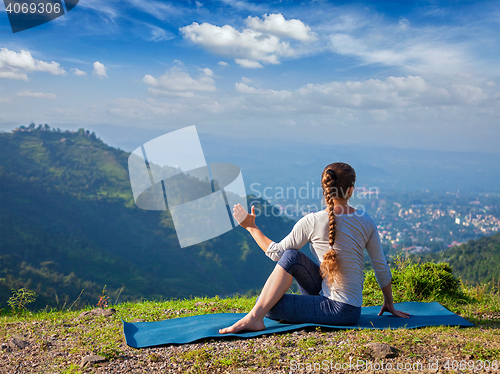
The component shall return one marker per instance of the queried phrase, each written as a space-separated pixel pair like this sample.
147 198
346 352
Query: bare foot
247 323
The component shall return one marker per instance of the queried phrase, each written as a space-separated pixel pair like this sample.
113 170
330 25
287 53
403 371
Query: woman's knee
291 254
288 259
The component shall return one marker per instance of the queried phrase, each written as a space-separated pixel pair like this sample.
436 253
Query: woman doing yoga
331 293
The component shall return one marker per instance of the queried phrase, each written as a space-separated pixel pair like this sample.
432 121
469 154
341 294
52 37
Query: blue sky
405 74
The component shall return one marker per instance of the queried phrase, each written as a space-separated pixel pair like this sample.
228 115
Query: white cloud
159 9
416 54
463 74
243 5
404 23
208 72
223 64
178 83
369 94
255 45
17 65
276 24
14 75
41 95
246 80
167 93
491 84
78 72
99 70
243 88
158 34
248 63
248 44
375 95
469 94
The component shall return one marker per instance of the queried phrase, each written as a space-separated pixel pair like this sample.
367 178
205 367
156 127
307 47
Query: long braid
329 265
336 180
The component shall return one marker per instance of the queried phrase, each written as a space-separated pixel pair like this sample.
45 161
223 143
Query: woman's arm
382 273
247 221
388 305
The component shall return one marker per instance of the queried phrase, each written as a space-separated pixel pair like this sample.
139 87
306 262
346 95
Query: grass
479 304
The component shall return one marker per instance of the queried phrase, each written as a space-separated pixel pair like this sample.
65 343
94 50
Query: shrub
416 282
20 299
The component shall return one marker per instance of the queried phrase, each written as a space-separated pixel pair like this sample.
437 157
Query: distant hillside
475 261
68 222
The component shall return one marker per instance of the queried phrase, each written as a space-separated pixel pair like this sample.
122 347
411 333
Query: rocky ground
66 347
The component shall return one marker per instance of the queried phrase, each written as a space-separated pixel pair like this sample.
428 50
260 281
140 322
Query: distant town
434 227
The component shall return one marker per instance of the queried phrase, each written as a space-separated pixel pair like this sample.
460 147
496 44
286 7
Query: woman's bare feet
247 323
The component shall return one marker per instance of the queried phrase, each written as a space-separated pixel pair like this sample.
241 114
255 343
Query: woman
332 292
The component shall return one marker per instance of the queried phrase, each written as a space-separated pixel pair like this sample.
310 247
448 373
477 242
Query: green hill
68 222
474 261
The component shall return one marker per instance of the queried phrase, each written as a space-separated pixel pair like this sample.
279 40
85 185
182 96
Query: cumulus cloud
369 94
99 70
17 65
259 43
208 72
245 45
276 24
491 84
223 64
243 62
243 88
78 72
178 83
374 95
469 94
40 95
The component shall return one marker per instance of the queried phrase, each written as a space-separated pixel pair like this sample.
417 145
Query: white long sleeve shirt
354 232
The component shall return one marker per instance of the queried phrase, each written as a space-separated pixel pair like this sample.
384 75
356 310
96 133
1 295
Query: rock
98 312
16 343
91 360
381 350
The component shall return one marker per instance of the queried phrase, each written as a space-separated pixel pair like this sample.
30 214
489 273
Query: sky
412 74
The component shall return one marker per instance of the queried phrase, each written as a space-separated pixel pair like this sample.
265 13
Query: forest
68 223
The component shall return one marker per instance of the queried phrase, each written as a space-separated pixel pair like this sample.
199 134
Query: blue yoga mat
189 329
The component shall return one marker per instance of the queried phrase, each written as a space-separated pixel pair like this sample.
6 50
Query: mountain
474 261
68 222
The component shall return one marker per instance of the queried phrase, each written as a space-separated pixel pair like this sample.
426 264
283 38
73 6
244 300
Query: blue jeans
310 306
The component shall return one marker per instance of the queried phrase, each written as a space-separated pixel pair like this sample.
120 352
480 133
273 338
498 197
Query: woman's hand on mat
245 219
390 308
